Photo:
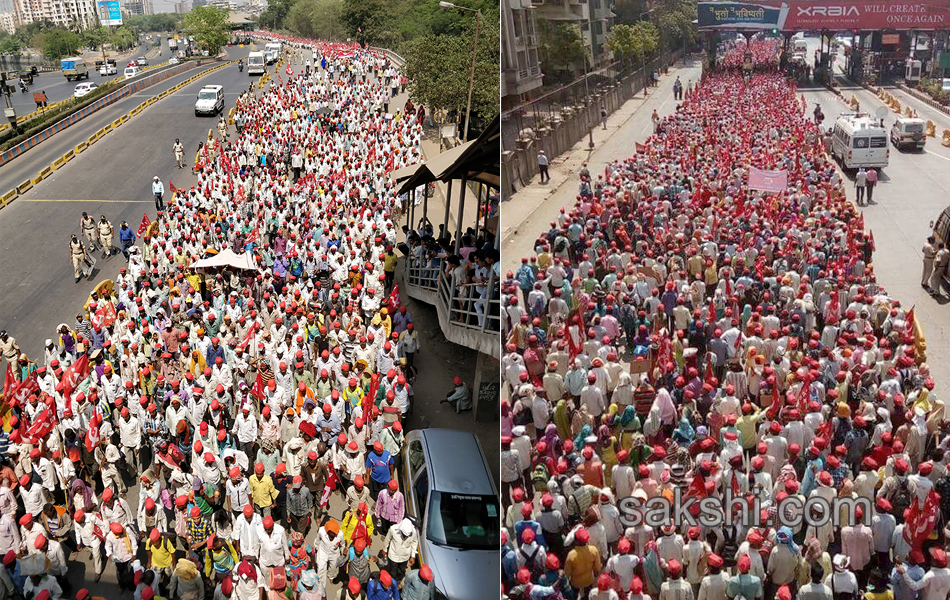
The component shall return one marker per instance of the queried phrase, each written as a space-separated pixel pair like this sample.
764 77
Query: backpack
359 567
901 499
539 478
530 561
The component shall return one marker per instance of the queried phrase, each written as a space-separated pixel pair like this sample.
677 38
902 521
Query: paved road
57 88
113 178
26 166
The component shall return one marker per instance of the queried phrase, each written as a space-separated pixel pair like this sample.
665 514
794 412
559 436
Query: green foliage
636 41
95 37
275 15
123 38
438 69
58 43
674 19
210 27
391 23
317 19
160 22
9 44
561 50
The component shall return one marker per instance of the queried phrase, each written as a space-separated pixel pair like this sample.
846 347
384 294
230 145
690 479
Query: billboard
834 15
109 12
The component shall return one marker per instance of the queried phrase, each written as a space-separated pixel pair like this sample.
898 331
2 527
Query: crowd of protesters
679 332
242 398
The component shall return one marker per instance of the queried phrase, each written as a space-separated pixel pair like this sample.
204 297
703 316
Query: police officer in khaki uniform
77 254
179 153
88 225
106 234
929 253
941 259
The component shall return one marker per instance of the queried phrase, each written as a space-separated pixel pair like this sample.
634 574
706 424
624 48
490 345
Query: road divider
21 189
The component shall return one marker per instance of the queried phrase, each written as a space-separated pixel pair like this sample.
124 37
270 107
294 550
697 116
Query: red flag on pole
370 398
910 321
76 372
92 434
258 389
329 487
9 383
21 393
393 302
41 426
712 311
143 226
921 520
289 71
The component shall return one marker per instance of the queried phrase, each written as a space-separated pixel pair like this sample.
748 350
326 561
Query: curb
8 198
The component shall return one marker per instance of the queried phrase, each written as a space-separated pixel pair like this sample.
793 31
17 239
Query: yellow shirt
263 491
746 427
389 262
582 566
162 555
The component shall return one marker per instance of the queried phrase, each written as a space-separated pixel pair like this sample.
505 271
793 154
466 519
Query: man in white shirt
244 533
935 584
273 550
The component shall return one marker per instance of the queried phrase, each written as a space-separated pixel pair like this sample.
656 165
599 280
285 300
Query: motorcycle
23 88
240 67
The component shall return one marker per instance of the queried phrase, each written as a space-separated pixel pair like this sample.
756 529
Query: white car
131 72
108 69
84 88
173 61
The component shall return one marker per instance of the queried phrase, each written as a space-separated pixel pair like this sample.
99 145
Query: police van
858 140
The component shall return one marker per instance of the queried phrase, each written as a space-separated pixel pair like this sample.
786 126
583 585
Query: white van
800 46
272 52
858 140
256 64
131 72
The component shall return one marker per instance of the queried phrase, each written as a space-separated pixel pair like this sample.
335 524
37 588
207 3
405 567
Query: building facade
520 68
593 17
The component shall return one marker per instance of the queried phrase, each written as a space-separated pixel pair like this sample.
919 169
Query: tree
95 37
9 44
317 19
210 27
674 20
276 13
438 69
58 43
561 50
368 21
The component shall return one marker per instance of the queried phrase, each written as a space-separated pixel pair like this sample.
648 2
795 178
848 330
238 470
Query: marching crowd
243 396
681 335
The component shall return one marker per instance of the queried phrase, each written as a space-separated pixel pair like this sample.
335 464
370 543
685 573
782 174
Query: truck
74 68
172 44
256 63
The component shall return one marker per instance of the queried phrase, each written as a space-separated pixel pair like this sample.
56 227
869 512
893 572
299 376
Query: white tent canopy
227 258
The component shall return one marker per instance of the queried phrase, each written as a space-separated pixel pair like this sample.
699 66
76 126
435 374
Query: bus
859 140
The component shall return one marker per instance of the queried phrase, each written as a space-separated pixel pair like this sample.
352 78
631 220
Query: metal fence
467 307
569 110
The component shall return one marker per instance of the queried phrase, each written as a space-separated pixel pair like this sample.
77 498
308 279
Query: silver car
453 502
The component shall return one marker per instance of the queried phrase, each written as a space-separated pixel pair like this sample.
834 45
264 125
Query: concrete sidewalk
528 212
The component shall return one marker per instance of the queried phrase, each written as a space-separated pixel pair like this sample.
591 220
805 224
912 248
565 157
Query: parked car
84 89
452 501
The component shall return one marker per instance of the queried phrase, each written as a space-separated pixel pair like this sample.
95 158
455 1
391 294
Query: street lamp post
471 77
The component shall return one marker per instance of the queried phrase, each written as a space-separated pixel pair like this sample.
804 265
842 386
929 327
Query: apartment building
593 17
520 69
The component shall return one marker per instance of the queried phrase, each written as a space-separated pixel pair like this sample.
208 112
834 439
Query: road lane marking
936 154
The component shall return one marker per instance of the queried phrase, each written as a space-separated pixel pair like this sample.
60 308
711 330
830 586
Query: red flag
329 487
9 383
22 392
76 372
910 320
144 225
640 147
258 389
247 338
776 404
393 302
253 236
370 398
712 311
871 239
391 163
289 71
803 394
92 434
106 314
172 187
41 426
921 520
